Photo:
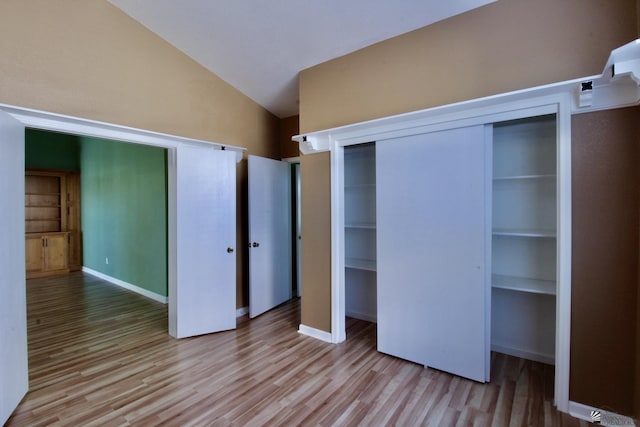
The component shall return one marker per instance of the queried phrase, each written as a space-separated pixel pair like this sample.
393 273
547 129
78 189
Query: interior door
14 374
203 299
269 234
432 245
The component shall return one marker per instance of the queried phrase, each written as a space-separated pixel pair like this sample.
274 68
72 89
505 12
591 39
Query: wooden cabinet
45 208
52 222
47 254
73 221
360 232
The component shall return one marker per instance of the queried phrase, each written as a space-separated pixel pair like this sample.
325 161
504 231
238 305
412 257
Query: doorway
187 160
123 190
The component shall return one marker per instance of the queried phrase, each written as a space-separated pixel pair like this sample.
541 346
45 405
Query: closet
450 243
360 232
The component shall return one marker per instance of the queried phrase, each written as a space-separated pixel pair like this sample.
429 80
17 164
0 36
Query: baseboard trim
362 316
529 355
242 311
137 289
584 412
315 333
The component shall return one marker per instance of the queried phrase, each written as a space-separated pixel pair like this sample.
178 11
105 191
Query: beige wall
289 127
316 243
88 59
504 46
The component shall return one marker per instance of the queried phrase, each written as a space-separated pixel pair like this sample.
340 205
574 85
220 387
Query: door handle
255 244
229 250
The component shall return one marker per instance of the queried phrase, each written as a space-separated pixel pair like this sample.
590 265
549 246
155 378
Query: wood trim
315 333
584 412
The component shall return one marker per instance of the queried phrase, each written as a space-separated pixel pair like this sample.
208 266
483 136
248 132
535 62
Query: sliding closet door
432 247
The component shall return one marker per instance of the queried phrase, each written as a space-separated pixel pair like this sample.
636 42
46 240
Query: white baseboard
242 311
578 410
137 289
549 359
315 333
362 316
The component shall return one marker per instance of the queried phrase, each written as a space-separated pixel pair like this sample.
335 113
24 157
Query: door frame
48 121
296 222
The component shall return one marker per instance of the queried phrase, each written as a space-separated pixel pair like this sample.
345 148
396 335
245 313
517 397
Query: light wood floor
100 355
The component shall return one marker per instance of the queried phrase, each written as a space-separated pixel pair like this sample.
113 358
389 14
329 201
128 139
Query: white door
432 243
14 373
269 234
202 299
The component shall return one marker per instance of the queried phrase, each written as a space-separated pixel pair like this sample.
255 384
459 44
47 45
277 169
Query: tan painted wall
316 242
88 59
504 46
606 249
289 127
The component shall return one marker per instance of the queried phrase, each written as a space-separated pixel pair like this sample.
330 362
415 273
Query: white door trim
558 104
78 126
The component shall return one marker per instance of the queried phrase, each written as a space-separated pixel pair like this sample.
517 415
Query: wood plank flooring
101 356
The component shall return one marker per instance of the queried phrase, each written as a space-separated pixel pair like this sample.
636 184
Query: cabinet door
433 237
73 221
56 252
34 253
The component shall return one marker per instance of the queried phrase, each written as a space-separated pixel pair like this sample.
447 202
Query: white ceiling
260 46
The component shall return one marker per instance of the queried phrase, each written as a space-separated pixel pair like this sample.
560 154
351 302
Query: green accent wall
124 212
123 201
51 150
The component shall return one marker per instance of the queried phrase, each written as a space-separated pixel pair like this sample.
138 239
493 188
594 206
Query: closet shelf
524 233
524 177
360 186
524 284
360 264
361 225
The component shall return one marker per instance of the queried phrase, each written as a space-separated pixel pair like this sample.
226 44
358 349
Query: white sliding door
14 375
269 234
203 297
432 240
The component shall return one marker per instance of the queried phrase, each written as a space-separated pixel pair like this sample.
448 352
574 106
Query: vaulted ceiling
260 46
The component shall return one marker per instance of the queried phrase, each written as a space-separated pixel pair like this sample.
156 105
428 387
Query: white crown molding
85 127
618 86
